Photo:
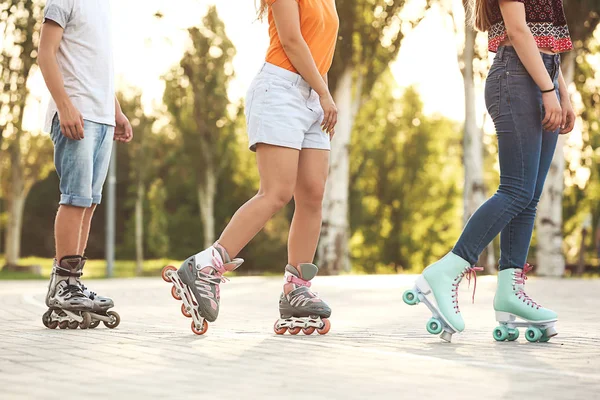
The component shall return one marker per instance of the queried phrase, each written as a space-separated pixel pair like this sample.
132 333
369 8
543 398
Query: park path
377 346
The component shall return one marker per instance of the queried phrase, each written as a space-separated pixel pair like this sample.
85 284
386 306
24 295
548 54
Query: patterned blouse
546 20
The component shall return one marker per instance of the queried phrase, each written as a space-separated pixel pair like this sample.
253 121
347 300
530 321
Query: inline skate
196 284
68 306
300 308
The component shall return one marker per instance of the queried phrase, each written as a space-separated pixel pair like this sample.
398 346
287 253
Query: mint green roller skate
437 287
511 302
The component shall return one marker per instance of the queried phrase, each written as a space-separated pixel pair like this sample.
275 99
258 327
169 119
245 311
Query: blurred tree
371 32
22 19
582 192
141 155
404 182
583 17
158 240
196 97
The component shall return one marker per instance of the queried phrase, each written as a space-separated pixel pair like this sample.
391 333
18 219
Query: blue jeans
82 165
525 151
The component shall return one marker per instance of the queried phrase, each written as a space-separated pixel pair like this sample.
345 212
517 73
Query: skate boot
437 287
301 308
196 284
100 308
68 306
511 302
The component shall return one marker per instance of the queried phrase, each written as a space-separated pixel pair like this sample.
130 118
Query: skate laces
216 277
468 272
519 280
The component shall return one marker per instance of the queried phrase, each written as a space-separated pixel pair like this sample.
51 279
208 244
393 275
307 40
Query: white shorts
283 110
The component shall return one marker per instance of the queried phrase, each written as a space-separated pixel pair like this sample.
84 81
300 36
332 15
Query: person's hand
71 121
553 112
330 113
568 115
123 129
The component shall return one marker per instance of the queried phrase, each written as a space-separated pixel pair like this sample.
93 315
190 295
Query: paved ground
377 347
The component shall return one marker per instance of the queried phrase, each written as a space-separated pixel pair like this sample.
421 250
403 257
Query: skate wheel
294 331
513 334
501 333
115 320
174 293
279 331
52 324
545 337
325 328
73 325
309 330
94 324
434 326
87 320
410 297
200 331
46 318
185 312
164 273
533 334
63 324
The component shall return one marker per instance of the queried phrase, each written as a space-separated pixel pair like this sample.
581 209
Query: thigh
277 167
549 140
73 160
519 130
313 168
102 154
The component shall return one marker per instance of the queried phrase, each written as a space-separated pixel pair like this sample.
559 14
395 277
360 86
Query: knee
310 197
277 198
520 198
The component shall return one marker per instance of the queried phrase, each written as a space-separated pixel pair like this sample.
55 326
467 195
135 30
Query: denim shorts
283 110
82 165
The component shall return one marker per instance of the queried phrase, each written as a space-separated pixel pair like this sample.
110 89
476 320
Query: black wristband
549 90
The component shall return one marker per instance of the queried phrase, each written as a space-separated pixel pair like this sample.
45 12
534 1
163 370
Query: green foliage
158 241
405 196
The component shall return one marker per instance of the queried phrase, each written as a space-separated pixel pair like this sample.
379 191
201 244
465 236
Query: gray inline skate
301 309
100 307
196 284
68 306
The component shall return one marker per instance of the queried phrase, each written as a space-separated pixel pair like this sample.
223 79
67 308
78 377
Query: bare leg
67 230
85 228
313 168
277 167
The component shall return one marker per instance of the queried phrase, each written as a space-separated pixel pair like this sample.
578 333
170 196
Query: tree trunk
16 203
139 229
549 252
581 262
206 201
333 252
474 188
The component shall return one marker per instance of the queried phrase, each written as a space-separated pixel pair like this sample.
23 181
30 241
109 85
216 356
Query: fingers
569 125
79 127
553 120
563 120
546 120
326 120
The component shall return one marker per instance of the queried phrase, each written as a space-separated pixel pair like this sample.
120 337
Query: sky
145 48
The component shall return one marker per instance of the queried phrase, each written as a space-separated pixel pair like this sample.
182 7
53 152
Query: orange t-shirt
319 25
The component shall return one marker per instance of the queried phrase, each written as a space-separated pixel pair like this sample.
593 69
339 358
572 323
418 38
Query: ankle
222 252
287 288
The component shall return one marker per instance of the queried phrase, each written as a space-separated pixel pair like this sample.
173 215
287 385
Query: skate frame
448 331
186 297
300 322
512 321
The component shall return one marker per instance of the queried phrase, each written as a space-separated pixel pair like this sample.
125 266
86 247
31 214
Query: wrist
63 103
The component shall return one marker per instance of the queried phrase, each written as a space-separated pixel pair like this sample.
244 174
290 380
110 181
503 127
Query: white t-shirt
85 58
